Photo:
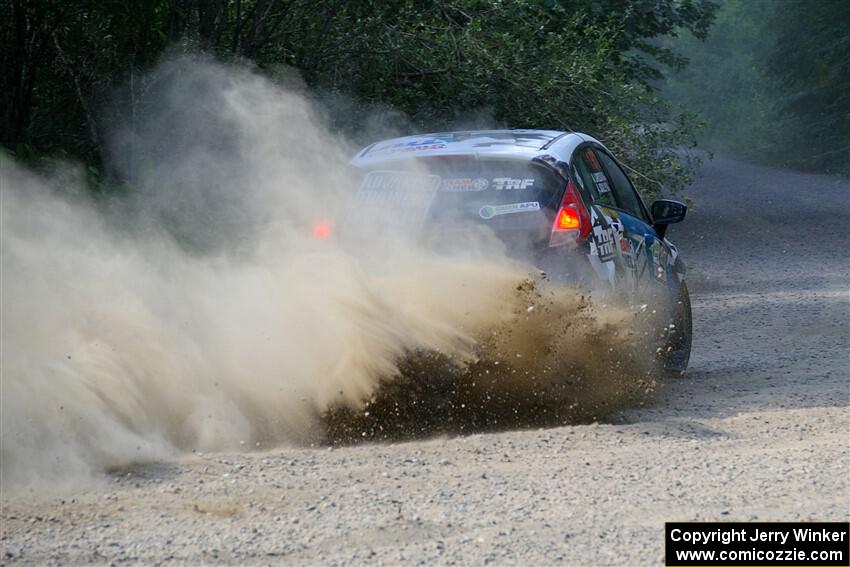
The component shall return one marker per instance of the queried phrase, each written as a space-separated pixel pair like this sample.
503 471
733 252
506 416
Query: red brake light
567 220
322 231
572 223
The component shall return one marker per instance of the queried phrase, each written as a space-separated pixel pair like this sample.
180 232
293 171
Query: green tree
582 65
809 64
772 80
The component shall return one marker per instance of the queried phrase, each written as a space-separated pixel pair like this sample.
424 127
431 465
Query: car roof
503 144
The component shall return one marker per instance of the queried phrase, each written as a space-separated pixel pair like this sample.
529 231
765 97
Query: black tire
678 346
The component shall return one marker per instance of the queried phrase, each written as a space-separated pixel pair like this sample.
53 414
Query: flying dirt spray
197 311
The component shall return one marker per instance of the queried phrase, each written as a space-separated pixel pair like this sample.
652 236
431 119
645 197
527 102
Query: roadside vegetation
73 68
772 81
70 69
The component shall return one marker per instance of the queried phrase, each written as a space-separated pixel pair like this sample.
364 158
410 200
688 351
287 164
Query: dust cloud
197 312
555 358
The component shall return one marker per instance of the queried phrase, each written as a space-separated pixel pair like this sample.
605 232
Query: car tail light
322 230
572 222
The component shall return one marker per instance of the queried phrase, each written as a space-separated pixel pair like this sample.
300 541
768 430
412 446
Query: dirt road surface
759 430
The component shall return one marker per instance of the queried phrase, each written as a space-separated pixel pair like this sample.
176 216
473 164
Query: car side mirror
666 212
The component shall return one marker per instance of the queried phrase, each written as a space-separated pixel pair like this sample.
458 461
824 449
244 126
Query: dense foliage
582 64
773 82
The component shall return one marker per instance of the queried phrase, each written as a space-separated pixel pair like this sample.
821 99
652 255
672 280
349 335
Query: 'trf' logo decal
510 183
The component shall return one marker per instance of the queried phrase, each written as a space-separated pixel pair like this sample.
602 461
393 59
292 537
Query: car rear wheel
678 345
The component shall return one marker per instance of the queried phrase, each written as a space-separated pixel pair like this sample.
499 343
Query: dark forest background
772 80
768 80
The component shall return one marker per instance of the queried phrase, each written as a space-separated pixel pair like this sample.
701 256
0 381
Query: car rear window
492 190
515 199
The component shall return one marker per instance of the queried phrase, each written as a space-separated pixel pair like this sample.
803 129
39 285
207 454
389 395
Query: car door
627 247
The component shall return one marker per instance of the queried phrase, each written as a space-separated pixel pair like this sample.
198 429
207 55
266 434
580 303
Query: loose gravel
758 430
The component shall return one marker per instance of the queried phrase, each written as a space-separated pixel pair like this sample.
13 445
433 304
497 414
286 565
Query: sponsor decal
396 197
604 239
465 184
390 181
601 182
511 183
617 225
490 211
602 244
411 146
630 253
604 269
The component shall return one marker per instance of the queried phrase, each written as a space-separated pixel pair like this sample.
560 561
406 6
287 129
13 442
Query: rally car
558 199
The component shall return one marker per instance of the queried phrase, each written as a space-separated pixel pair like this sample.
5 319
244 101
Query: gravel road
758 430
